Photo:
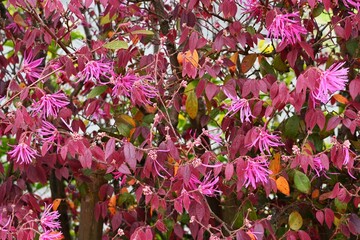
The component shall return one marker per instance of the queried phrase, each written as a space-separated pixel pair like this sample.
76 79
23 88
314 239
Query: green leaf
292 127
295 221
116 44
266 68
279 64
143 32
340 206
192 105
105 19
96 91
302 182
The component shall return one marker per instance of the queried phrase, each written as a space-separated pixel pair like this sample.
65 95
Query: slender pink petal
257 171
287 27
207 186
94 70
264 140
49 218
23 153
50 104
331 80
31 67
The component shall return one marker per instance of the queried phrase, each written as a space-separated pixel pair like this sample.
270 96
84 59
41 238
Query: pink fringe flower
23 153
253 8
331 80
206 187
242 105
31 67
49 219
93 70
48 132
257 171
51 235
50 104
261 139
138 88
287 27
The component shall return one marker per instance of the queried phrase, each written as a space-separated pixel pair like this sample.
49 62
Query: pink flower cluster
23 153
207 187
94 70
50 104
257 171
287 27
137 88
331 80
261 139
240 105
31 67
50 224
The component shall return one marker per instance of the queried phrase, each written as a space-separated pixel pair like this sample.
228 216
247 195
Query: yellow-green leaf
96 91
295 221
143 32
191 104
116 44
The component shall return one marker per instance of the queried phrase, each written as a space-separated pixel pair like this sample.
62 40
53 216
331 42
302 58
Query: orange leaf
234 59
56 203
70 203
19 20
248 62
112 205
315 194
283 186
188 56
251 235
340 98
176 168
274 165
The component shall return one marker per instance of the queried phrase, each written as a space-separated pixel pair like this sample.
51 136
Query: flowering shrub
181 119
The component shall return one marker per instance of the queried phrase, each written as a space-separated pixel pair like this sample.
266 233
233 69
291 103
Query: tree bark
90 227
57 188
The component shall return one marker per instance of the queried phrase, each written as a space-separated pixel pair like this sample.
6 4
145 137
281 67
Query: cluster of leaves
180 119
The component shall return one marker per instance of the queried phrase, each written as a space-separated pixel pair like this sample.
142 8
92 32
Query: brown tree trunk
57 188
90 227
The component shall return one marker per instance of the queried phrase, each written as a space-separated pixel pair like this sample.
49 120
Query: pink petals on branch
331 80
257 171
50 104
94 70
31 67
287 27
261 139
240 105
207 187
137 88
23 153
49 219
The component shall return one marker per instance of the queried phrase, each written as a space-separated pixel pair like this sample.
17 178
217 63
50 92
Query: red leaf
200 87
303 235
308 49
211 90
354 88
329 217
312 3
124 169
130 155
229 171
110 147
320 217
354 224
193 41
292 56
